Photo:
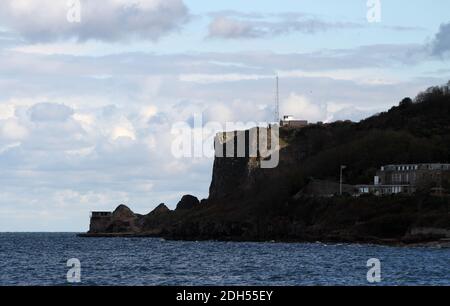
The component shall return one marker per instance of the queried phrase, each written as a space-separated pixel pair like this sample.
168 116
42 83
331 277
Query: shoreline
441 243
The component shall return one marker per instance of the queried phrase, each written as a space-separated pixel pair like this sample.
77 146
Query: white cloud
220 112
441 43
106 20
360 76
50 112
220 78
333 107
225 27
85 119
125 131
67 47
11 129
149 111
232 25
6 111
301 108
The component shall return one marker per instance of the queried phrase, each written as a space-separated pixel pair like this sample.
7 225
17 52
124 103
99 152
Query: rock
187 202
122 212
122 220
160 209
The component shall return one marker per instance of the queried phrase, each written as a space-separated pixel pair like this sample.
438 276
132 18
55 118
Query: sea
43 259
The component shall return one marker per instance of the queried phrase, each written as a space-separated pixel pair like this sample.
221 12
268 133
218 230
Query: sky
90 90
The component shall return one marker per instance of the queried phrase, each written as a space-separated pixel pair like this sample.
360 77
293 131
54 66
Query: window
396 178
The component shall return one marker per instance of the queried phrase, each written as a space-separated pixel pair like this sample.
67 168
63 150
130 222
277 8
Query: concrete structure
101 214
407 179
290 122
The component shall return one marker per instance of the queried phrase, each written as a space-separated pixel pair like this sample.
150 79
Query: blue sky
86 109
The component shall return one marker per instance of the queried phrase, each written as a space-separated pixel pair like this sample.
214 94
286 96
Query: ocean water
41 259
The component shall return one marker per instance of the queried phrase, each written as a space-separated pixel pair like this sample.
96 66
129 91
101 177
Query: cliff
248 202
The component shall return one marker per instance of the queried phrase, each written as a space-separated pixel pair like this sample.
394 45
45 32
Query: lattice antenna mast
277 101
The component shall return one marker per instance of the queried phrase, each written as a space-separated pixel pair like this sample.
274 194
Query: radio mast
277 101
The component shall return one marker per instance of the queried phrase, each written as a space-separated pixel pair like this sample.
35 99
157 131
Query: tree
405 102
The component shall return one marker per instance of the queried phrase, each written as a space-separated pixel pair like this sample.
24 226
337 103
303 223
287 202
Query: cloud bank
237 26
106 20
440 45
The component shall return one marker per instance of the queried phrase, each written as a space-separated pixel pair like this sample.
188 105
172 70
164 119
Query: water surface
40 259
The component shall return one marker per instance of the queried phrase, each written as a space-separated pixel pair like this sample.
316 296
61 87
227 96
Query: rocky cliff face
250 203
247 202
188 202
120 221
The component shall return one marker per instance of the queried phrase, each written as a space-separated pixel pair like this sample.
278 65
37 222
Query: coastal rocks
418 234
123 220
418 231
160 210
123 212
187 202
99 223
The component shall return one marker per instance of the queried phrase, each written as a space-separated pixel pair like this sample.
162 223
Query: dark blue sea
41 258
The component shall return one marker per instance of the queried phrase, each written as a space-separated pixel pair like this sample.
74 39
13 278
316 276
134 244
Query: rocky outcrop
161 209
122 220
99 223
123 212
188 202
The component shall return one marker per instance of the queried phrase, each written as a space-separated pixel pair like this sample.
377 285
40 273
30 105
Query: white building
406 178
290 121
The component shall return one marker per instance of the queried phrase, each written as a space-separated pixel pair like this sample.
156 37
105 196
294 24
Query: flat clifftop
248 202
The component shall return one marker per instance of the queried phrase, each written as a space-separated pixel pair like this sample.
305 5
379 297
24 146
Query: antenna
277 101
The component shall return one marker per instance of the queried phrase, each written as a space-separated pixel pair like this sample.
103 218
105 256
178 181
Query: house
290 122
407 179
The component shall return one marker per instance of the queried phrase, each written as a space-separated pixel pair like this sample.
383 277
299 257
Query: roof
429 166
